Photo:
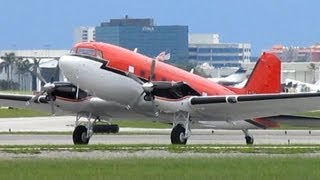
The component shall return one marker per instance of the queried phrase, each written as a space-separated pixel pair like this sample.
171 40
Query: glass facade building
149 39
221 54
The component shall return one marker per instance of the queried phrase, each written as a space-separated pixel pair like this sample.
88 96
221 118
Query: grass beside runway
254 149
163 168
12 113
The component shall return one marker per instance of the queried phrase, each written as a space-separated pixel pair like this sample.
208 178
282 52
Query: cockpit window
86 51
90 52
73 51
99 54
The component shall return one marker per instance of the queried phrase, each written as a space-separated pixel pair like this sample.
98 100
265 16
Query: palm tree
312 67
23 67
9 61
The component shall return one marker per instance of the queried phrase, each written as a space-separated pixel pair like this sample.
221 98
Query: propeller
149 86
48 88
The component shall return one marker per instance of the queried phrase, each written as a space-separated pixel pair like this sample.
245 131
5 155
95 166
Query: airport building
84 34
47 63
148 38
206 48
296 54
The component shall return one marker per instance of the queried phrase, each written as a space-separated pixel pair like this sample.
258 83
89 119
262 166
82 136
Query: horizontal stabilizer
295 120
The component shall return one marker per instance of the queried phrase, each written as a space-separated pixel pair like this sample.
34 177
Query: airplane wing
241 107
19 101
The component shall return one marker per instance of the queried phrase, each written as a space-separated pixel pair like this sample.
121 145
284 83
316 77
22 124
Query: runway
152 136
220 137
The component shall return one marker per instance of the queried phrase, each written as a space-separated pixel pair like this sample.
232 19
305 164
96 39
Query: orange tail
265 77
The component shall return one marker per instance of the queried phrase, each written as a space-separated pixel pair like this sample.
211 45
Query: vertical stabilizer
265 77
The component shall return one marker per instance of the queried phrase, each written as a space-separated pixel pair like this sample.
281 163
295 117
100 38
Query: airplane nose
67 64
64 62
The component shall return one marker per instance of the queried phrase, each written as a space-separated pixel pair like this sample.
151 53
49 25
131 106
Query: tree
23 67
9 59
312 67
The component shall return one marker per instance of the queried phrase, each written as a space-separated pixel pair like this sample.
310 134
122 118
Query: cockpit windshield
87 52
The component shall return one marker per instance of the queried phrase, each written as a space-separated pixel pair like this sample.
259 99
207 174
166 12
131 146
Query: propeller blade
38 75
136 102
153 65
53 111
48 87
54 73
35 97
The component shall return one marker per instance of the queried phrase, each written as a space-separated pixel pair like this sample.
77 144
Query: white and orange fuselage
109 81
101 69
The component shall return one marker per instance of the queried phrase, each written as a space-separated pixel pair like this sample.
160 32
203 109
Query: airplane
300 86
171 95
232 79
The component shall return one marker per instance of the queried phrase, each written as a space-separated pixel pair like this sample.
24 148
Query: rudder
265 77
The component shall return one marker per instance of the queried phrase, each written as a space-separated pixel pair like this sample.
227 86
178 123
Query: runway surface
162 136
221 137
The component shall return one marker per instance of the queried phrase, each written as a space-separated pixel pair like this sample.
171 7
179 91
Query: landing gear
84 130
178 135
181 130
80 135
249 138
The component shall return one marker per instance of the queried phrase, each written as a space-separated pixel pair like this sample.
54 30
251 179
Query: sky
39 24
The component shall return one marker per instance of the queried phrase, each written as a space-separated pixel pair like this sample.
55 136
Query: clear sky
31 24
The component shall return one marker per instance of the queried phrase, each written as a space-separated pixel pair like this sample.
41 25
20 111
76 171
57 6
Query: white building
38 53
204 39
47 58
84 34
300 71
207 48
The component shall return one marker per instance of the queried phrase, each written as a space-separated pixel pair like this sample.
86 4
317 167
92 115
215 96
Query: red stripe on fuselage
120 58
73 100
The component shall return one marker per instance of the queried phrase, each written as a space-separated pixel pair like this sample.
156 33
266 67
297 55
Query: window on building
204 58
204 50
192 49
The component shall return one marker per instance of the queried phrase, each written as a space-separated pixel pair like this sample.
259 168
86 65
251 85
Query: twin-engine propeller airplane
155 89
110 82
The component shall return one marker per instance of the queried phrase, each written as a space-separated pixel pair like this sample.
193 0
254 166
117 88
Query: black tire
177 133
249 140
80 135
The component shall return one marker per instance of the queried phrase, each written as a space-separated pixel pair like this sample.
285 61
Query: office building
148 38
84 34
207 48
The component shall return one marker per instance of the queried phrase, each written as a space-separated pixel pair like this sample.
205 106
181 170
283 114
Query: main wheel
249 140
178 135
80 135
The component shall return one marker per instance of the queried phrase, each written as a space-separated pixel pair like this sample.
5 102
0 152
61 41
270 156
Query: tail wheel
249 140
178 135
80 135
